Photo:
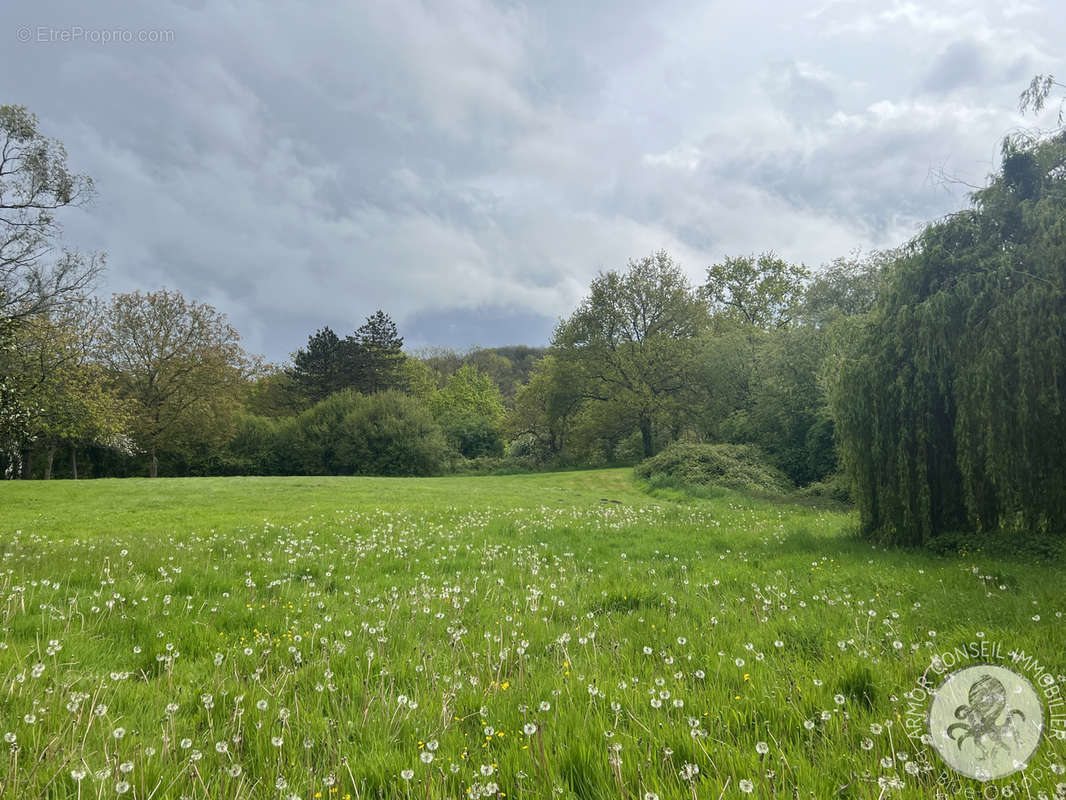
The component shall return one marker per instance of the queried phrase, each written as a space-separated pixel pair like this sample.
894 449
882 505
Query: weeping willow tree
950 395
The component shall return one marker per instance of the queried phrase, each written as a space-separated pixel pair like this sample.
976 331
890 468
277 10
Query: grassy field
551 636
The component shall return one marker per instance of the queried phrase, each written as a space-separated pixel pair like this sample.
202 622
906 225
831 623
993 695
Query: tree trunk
48 463
74 461
645 436
153 466
27 464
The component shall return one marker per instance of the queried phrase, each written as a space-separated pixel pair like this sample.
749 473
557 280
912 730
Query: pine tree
376 355
318 370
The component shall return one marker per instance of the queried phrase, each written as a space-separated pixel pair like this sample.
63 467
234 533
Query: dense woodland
926 383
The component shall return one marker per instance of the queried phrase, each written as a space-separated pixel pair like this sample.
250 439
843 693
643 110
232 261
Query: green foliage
834 488
271 392
387 433
763 291
307 445
469 408
14 416
321 368
845 288
419 379
785 415
369 361
254 445
378 352
733 466
178 365
630 345
509 366
949 395
544 410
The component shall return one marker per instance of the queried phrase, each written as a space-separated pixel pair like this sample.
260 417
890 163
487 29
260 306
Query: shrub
389 433
307 444
733 466
254 445
835 488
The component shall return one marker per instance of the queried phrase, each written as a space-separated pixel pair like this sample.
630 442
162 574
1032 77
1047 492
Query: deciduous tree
469 408
180 364
949 396
630 343
69 400
36 184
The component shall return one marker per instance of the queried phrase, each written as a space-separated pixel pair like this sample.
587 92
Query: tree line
926 381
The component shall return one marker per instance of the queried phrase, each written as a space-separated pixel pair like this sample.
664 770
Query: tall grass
549 636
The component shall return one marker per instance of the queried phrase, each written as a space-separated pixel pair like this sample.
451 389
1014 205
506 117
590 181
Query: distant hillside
509 366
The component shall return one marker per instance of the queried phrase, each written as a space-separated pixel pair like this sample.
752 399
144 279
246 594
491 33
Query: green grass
287 618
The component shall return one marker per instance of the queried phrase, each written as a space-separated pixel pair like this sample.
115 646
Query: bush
733 466
834 488
254 445
473 437
348 433
307 444
389 433
489 465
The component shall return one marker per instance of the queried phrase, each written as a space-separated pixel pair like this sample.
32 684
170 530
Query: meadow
563 635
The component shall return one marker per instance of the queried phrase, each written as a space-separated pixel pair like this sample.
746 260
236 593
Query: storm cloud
469 166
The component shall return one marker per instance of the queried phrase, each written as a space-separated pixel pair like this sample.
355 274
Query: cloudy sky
468 166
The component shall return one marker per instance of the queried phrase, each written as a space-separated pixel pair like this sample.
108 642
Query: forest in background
926 383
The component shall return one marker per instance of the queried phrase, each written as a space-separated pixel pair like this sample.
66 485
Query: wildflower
746 786
762 748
